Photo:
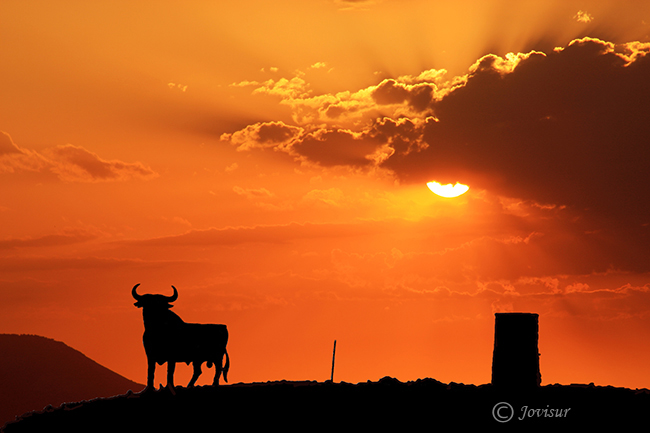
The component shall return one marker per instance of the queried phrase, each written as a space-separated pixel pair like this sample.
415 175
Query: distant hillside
387 405
37 371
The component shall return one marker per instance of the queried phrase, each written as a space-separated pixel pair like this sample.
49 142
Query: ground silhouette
515 403
36 371
383 405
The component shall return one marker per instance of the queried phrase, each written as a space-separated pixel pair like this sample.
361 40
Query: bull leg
218 368
217 373
197 373
151 371
171 366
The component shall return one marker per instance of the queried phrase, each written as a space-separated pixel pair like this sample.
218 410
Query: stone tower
515 361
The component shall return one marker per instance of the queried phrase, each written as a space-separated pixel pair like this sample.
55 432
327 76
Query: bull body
167 338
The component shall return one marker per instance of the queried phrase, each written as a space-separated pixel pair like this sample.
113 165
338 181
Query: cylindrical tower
515 361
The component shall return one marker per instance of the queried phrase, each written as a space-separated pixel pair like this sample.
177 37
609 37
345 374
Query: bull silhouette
167 338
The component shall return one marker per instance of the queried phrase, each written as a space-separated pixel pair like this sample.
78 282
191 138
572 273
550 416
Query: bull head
153 300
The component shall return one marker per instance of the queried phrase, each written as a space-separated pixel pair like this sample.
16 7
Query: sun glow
448 190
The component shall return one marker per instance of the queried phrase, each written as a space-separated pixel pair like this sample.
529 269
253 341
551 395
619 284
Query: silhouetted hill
37 371
387 405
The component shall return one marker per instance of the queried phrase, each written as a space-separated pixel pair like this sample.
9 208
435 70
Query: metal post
333 356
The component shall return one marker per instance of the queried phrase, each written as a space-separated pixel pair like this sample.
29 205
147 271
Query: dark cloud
274 132
326 147
68 162
75 163
418 96
275 135
337 147
569 127
403 136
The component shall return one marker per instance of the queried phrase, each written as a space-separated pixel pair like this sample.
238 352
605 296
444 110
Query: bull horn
173 297
134 293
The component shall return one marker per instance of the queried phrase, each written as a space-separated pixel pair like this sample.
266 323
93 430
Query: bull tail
226 367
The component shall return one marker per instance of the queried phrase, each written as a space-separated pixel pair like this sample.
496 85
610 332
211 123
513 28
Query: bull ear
173 297
134 293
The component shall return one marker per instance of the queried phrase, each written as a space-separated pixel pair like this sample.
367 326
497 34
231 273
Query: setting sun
449 190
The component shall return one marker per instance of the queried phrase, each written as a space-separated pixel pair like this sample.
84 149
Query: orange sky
270 160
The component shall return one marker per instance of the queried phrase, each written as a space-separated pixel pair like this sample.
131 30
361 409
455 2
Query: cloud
355 4
68 237
329 197
14 158
7 146
253 194
583 17
337 147
275 234
295 87
272 135
566 128
68 162
231 167
405 96
245 83
326 147
181 87
74 163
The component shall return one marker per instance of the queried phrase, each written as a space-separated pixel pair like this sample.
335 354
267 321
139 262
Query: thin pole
333 356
